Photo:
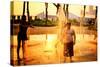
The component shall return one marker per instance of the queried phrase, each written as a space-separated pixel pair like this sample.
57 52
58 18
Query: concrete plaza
42 51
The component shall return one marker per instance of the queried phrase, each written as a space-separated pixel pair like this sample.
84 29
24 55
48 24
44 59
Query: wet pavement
38 50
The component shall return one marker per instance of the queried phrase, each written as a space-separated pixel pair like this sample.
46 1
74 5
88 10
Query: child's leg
23 49
18 51
64 59
70 58
64 53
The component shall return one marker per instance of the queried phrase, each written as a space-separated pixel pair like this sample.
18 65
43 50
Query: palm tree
65 8
83 17
46 10
96 12
28 11
28 15
62 13
84 12
57 6
24 8
67 13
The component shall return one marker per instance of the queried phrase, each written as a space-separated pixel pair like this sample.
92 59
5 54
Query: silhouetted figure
69 37
22 36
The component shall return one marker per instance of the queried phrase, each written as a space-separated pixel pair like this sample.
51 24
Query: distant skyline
38 7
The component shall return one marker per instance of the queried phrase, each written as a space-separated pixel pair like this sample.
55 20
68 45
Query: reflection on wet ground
42 51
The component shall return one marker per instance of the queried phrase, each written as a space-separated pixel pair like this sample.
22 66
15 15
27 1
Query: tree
24 8
83 15
62 11
28 11
46 10
84 11
66 10
82 19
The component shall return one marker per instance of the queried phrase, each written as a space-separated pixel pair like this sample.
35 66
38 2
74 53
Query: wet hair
23 17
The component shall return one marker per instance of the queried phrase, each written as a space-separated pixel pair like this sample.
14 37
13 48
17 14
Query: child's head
68 25
24 17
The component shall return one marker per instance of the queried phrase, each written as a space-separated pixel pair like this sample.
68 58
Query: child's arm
74 37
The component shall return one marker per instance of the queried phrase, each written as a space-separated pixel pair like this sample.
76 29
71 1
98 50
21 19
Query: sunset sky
36 8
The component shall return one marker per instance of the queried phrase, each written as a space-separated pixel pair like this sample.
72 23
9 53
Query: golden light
50 42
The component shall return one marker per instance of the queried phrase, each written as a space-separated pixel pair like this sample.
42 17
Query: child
68 37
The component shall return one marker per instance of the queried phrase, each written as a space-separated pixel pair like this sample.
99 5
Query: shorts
22 36
68 49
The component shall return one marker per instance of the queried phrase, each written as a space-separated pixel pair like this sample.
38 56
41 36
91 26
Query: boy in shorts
69 38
